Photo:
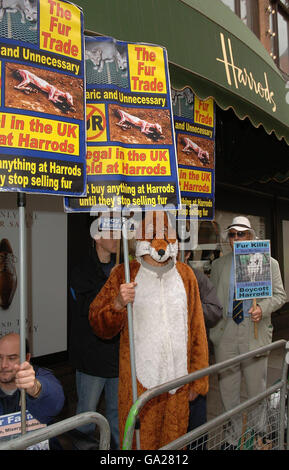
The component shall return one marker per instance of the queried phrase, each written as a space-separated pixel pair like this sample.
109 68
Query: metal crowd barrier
34 437
276 420
201 437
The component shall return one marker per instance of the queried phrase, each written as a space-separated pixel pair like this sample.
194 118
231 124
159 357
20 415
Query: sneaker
8 277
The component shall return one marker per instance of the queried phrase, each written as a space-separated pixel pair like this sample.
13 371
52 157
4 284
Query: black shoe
8 277
227 446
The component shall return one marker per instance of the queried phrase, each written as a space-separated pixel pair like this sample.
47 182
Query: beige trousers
235 341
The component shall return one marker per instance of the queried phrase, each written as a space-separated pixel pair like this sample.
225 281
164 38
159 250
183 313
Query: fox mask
157 238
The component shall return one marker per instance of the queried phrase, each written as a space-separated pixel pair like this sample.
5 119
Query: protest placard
253 280
195 139
252 269
42 112
131 157
10 427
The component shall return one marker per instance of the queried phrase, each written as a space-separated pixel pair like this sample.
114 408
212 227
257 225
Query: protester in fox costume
169 333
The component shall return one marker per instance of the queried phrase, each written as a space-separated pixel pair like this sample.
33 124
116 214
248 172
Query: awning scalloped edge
241 116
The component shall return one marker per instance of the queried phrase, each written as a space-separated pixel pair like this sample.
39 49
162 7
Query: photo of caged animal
185 94
101 53
26 8
255 266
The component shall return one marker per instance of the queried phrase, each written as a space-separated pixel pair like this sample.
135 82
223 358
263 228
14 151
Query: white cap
240 223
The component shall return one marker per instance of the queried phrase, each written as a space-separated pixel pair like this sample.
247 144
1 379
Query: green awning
209 49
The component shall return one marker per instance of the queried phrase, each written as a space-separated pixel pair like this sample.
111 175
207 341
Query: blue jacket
45 407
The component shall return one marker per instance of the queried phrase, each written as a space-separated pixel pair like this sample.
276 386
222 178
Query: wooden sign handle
255 324
118 253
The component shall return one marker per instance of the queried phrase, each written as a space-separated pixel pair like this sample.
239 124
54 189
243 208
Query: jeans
89 389
197 417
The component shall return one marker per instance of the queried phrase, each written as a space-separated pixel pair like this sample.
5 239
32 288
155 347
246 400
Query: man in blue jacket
44 393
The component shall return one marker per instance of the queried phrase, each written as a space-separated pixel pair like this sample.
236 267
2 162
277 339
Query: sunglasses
237 234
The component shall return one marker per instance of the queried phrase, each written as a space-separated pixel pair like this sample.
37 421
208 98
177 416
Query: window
212 238
247 10
279 28
230 4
